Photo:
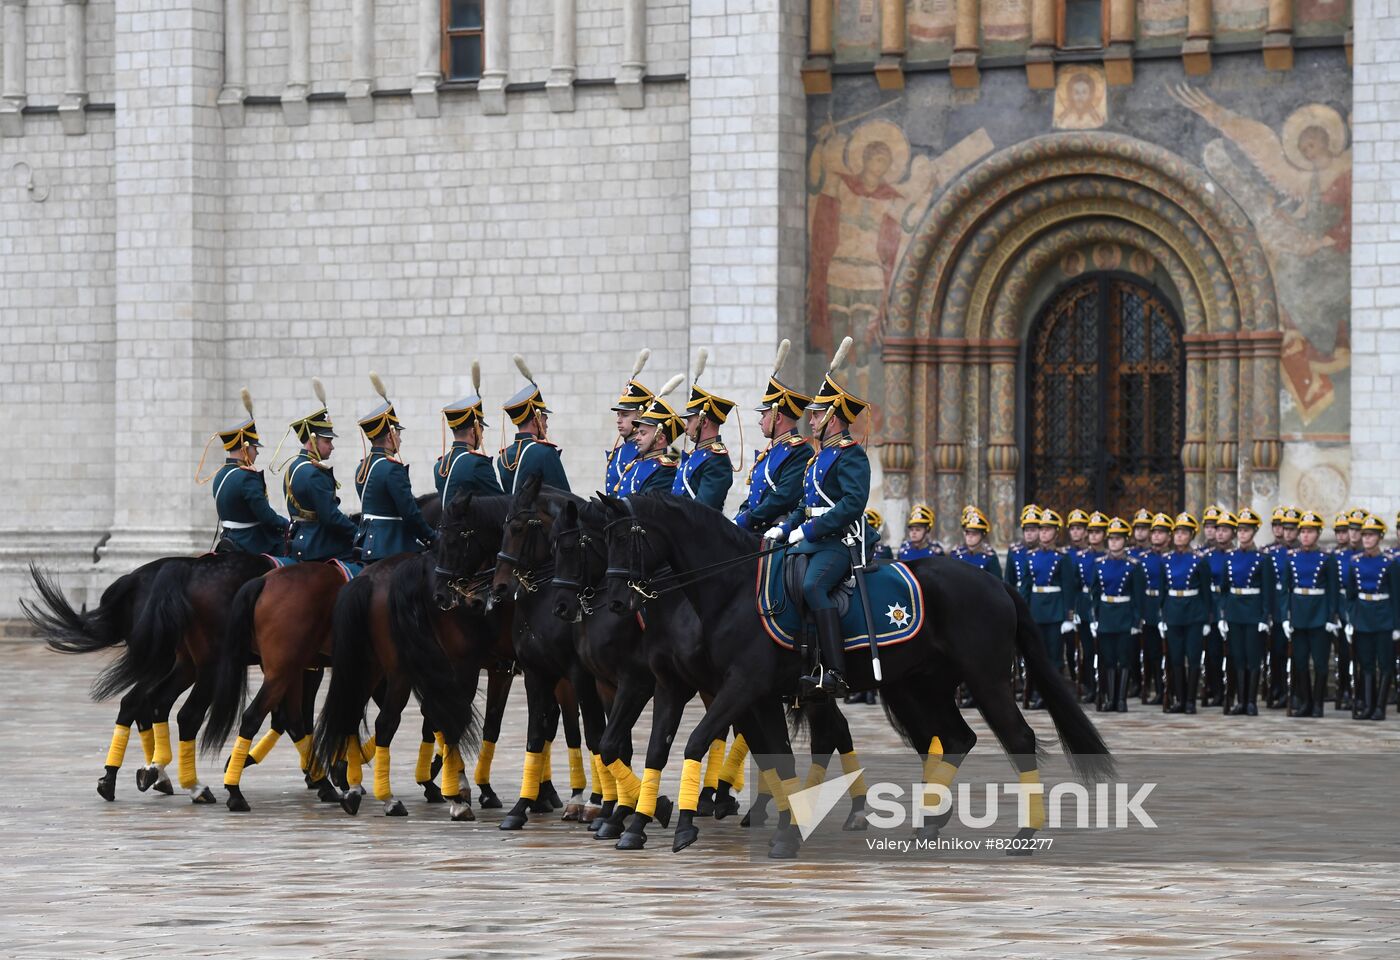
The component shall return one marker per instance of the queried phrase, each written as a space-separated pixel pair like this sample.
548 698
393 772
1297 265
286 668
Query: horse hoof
202 795
486 797
726 806
395 808
664 806
754 818
514 821
590 814
632 840
572 811
541 805
350 802
145 776
107 788
163 785
705 806
684 837
608 830
855 821
235 801
786 842
431 793
326 791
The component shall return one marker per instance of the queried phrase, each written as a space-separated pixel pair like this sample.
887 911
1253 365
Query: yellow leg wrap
117 751
382 790
713 763
452 767
733 772
441 743
148 743
607 786
763 788
162 749
234 772
546 762
310 764
423 770
482 773
628 786
530 780
769 783
265 745
937 770
367 749
816 773
787 787
850 763
577 778
689 797
646 797
354 763
188 776
1037 801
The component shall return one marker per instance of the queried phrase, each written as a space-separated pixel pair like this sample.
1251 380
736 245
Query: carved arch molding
960 307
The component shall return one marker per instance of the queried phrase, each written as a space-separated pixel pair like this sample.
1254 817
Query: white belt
1245 591
1309 591
816 511
238 525
1036 589
1115 599
1154 593
1373 596
1182 593
375 516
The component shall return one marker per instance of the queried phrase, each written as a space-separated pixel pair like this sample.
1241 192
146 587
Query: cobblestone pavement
150 875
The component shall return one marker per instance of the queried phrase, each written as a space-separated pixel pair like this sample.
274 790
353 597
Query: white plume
476 377
700 362
247 400
840 357
671 385
378 386
781 358
319 389
524 370
643 355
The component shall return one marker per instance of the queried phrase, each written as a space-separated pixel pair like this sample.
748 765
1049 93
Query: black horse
973 627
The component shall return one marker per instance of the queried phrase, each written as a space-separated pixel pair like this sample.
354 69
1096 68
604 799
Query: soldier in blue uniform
1208 525
706 473
875 547
974 548
633 400
1312 607
835 491
775 481
530 452
1347 530
1372 584
1186 612
320 530
464 469
1018 554
1051 587
1220 541
918 535
1117 609
1245 605
390 521
653 469
1090 548
1285 527
1142 530
1153 641
247 521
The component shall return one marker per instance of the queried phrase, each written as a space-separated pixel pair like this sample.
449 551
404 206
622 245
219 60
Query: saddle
795 572
896 602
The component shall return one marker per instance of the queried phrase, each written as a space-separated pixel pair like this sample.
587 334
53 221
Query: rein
648 589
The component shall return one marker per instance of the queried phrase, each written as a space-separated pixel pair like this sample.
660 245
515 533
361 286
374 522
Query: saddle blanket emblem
347 570
896 606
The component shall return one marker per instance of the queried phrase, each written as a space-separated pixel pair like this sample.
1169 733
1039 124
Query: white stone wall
1375 256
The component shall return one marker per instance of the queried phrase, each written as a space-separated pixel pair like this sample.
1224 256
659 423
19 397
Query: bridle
463 584
584 593
527 578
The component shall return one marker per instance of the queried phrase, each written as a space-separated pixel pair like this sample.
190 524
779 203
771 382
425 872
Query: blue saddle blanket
896 606
347 570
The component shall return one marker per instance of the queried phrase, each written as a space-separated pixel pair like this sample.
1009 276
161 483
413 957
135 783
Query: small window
1083 24
462 39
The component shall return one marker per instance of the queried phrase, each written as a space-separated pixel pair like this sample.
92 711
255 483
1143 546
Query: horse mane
697 515
470 510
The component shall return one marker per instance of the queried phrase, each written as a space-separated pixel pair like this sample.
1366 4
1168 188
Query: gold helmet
974 519
874 519
1077 516
920 515
1098 521
1188 522
1227 519
1143 517
1118 527
634 395
1248 518
1030 515
382 417
1049 518
1310 520
1373 524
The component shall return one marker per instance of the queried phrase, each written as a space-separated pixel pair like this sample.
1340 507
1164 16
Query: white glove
1135 631
1223 627
1332 627
1162 628
1350 631
1093 628
1067 627
1205 629
1263 627
1395 635
774 533
797 536
1076 619
1288 629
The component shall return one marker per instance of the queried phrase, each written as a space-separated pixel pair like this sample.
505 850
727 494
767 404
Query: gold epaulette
669 460
845 442
796 440
718 448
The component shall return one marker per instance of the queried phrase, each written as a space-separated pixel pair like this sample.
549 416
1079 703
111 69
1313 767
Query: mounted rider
464 469
775 482
836 488
706 473
320 530
529 453
391 522
247 521
633 400
653 470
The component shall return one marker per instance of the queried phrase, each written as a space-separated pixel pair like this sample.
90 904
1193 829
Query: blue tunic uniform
705 475
908 552
775 484
321 531
462 471
1018 564
1051 586
1312 600
1187 605
835 490
1154 567
653 473
618 459
247 520
391 522
1246 602
1117 590
984 558
526 455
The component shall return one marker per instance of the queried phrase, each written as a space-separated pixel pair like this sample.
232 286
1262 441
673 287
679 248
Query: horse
973 626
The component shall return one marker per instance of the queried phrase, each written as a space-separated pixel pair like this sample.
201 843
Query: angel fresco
1296 187
866 195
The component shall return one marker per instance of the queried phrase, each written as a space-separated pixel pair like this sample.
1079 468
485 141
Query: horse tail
66 630
344 710
431 675
150 649
231 671
1087 752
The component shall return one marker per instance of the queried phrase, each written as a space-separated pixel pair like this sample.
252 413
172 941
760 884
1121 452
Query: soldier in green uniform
1285 538
464 469
1018 554
1186 613
320 530
706 473
530 452
1050 588
390 522
775 481
1246 603
1312 607
1347 529
1372 584
247 521
1117 606
1218 693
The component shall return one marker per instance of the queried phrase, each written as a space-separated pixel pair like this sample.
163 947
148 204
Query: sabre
858 568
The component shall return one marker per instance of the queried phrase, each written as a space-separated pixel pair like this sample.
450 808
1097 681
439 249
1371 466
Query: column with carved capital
1194 455
1003 456
948 453
15 83
1266 451
1227 445
897 448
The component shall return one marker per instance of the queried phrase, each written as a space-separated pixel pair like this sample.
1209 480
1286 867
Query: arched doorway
1105 421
